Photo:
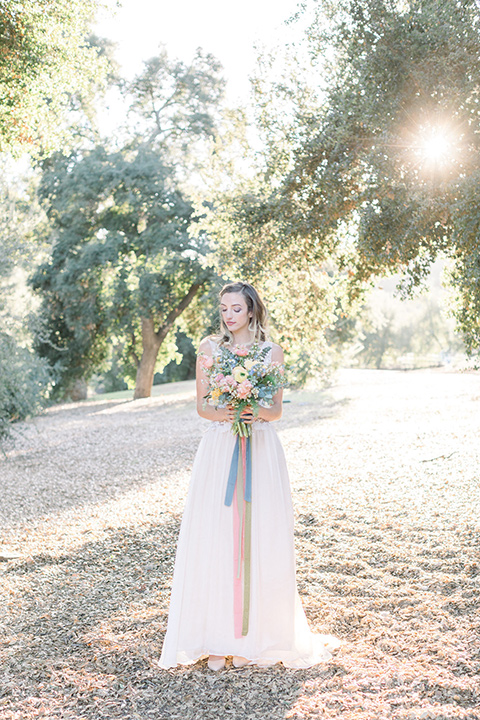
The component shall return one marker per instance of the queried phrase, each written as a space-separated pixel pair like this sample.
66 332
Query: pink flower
244 389
230 380
206 361
240 350
219 377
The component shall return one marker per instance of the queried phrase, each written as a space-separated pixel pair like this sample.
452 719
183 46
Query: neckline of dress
248 346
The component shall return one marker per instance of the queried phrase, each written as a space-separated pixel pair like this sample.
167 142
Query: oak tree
49 72
125 263
382 172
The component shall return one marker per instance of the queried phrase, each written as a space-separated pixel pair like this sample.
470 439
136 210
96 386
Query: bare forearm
264 413
210 413
270 413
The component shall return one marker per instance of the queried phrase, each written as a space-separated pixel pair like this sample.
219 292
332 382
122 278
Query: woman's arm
208 411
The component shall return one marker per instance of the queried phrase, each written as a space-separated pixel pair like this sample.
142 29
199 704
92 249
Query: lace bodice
215 348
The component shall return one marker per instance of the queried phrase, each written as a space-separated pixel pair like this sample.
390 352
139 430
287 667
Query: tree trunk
151 342
78 390
146 367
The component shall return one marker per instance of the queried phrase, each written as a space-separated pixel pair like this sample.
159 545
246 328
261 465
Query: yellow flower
250 363
239 373
215 395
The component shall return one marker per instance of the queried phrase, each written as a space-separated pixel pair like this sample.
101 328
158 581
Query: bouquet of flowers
241 378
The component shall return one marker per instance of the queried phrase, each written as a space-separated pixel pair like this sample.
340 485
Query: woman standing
202 607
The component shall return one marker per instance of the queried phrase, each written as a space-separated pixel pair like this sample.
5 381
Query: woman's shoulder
276 351
209 345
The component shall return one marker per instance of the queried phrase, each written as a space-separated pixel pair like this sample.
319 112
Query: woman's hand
247 416
230 413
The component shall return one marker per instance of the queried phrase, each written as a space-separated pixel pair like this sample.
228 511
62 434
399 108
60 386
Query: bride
201 617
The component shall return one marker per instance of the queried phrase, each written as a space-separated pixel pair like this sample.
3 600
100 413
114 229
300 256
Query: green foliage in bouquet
241 378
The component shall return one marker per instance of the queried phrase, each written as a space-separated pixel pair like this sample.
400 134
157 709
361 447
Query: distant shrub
183 367
24 383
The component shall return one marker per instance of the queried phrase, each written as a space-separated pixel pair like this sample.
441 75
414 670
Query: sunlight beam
437 147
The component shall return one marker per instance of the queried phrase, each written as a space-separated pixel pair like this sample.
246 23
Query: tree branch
131 350
173 314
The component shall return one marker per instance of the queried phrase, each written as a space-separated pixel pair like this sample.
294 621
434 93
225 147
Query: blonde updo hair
259 320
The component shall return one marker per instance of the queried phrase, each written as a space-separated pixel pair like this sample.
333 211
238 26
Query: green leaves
123 251
24 379
47 68
177 101
124 263
391 152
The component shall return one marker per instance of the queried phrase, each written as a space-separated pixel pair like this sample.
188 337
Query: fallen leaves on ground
386 486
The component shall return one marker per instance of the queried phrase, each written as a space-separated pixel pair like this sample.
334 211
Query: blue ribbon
232 475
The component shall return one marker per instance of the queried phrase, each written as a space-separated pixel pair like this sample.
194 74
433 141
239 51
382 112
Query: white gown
201 618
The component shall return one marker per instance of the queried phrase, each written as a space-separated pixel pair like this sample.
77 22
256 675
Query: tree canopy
48 69
125 263
176 103
382 172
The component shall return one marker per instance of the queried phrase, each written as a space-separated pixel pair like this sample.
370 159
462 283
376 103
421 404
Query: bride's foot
216 662
239 662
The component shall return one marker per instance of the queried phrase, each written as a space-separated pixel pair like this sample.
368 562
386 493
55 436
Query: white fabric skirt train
201 618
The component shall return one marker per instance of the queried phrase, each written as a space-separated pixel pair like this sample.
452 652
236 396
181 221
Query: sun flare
433 147
437 147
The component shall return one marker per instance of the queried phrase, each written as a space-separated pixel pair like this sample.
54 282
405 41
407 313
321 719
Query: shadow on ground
85 630
92 452
82 630
404 598
85 633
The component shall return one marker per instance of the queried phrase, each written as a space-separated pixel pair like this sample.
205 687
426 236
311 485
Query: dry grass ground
386 483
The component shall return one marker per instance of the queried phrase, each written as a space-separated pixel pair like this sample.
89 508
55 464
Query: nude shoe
216 663
239 662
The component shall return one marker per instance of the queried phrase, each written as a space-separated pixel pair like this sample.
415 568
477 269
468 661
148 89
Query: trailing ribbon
239 494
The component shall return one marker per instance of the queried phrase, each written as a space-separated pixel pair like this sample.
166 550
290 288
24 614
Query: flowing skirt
201 615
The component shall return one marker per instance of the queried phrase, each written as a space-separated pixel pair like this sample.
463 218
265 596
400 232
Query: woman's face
234 312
